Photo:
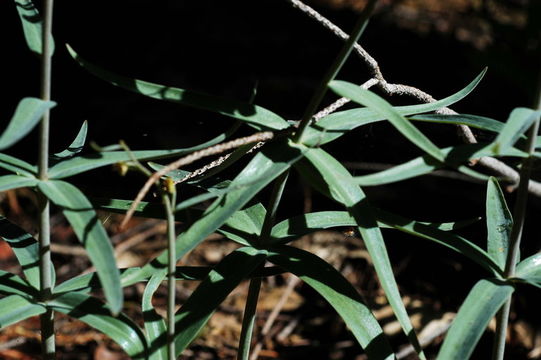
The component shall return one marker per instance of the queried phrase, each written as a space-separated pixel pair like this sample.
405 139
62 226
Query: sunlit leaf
154 323
26 117
17 166
519 121
11 284
529 270
254 115
8 182
474 121
245 226
32 26
15 308
499 223
76 145
482 303
90 232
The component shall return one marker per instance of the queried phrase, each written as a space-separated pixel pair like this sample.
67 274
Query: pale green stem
334 69
169 202
45 264
519 214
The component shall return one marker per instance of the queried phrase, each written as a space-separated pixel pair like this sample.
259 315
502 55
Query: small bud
169 185
121 168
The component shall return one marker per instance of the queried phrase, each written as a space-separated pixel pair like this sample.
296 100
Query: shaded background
228 48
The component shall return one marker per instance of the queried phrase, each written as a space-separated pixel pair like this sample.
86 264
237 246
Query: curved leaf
154 323
90 232
26 248
529 270
335 125
11 284
474 121
268 164
76 145
17 166
482 303
27 115
32 26
79 164
499 223
295 227
223 279
519 121
254 115
339 293
245 226
93 312
8 182
16 308
342 188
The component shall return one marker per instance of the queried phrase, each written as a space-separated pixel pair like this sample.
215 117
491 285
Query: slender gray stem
45 264
334 69
169 202
519 214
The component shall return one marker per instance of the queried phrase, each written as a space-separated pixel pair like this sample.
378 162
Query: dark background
228 47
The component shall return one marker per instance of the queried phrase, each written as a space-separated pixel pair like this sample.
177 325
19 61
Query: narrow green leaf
343 189
474 121
382 107
16 308
482 303
529 269
90 232
254 115
335 125
223 279
17 166
79 164
8 182
26 249
295 227
95 313
499 223
519 121
154 323
27 115
76 145
11 284
32 26
328 282
268 164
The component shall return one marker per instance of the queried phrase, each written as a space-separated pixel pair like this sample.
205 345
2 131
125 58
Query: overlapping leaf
154 323
8 182
32 26
18 308
76 145
499 223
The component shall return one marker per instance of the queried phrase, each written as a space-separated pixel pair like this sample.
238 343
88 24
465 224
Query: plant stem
169 202
248 319
45 264
519 214
276 195
334 69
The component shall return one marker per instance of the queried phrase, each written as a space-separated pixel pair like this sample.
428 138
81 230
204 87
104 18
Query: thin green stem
519 214
274 201
334 69
169 199
248 319
45 264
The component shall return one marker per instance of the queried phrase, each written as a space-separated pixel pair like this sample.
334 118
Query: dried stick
498 167
186 160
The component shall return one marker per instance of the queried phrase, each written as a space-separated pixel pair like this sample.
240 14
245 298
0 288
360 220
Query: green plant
290 146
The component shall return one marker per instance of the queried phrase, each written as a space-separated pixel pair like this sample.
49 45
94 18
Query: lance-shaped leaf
425 164
297 226
343 297
11 284
8 182
27 115
90 232
32 26
474 121
482 303
26 248
529 270
327 171
95 313
76 145
267 165
85 282
154 323
519 121
245 226
335 125
499 223
79 164
15 308
220 282
17 166
254 115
